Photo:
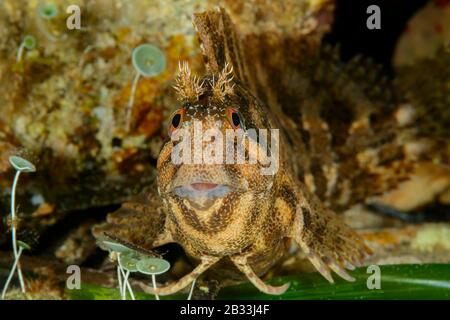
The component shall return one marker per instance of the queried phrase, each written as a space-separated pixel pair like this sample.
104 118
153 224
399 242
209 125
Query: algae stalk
11 273
131 100
21 165
13 231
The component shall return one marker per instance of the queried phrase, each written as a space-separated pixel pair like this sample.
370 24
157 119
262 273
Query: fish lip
202 190
205 197
202 186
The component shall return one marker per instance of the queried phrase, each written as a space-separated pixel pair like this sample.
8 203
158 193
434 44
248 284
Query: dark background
351 32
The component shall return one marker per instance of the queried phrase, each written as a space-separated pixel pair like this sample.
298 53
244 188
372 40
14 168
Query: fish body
342 142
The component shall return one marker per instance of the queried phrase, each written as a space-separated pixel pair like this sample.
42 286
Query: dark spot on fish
306 217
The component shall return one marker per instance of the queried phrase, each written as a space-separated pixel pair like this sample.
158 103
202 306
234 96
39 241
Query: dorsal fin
219 42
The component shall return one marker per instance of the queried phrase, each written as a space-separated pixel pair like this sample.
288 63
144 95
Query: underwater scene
224 150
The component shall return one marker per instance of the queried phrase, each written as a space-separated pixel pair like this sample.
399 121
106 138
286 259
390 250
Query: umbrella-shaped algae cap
20 164
128 261
29 42
115 246
48 11
153 266
23 245
148 60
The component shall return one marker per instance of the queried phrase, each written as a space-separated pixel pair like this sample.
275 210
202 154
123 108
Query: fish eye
235 118
177 118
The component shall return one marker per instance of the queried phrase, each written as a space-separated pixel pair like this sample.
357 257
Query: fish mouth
204 186
202 194
202 189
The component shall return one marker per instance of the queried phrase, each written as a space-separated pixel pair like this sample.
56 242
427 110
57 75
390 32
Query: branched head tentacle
223 85
188 86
